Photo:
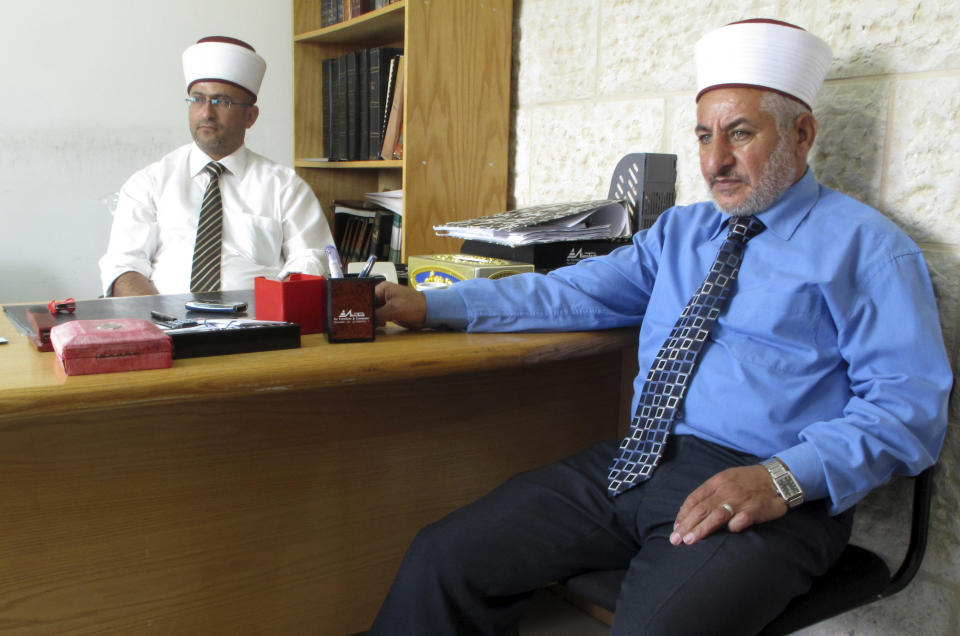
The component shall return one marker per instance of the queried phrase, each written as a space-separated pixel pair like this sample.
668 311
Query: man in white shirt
272 223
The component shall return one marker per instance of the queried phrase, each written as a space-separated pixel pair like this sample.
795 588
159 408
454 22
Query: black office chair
646 181
857 578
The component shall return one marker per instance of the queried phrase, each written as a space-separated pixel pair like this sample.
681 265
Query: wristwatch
785 483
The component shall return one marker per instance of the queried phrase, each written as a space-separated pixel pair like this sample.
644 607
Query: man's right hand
402 305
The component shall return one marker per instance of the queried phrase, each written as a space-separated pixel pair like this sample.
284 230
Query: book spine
363 103
327 106
392 134
375 236
374 57
327 13
341 150
396 239
353 106
388 96
366 239
359 7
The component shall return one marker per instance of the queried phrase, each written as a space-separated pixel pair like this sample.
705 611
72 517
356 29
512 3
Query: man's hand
748 491
402 305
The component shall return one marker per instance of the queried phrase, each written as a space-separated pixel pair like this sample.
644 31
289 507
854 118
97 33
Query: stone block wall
597 79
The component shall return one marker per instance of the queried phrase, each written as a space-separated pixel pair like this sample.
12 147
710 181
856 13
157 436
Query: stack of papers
576 221
389 199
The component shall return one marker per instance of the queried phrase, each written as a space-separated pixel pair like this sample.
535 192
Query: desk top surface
32 382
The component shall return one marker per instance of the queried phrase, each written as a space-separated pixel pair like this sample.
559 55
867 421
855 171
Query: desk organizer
301 298
350 309
111 344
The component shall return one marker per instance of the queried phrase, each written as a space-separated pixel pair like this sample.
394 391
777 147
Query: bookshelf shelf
456 110
371 27
349 165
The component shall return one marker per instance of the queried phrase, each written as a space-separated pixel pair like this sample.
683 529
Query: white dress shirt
272 222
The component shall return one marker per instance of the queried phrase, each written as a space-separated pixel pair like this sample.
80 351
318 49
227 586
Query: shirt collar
788 212
234 163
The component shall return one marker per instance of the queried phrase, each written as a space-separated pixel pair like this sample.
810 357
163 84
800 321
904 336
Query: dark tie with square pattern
205 275
669 375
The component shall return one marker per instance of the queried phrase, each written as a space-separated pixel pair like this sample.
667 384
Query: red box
301 298
112 344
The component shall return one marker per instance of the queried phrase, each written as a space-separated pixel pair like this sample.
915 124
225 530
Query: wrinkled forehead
724 106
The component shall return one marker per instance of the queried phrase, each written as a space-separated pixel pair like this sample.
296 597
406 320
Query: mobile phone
215 307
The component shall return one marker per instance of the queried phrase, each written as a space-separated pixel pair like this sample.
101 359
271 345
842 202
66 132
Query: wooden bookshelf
456 110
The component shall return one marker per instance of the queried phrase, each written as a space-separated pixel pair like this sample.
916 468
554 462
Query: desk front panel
277 510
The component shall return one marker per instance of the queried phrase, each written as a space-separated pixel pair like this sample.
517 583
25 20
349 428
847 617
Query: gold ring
728 508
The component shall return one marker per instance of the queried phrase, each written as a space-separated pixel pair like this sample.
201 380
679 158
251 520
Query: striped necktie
666 383
206 252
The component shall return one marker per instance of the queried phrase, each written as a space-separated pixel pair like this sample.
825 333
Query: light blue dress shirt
828 356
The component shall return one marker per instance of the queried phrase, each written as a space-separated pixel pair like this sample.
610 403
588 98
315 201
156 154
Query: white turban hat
763 53
223 59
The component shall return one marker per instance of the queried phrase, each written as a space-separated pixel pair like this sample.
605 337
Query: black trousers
471 572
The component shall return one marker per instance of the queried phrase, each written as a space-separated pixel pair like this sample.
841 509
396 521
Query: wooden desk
275 492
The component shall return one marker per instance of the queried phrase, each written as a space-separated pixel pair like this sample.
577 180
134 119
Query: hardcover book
395 118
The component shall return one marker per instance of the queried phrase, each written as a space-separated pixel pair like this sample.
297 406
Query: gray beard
776 178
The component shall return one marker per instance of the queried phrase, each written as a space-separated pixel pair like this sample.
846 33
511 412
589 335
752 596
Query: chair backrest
647 182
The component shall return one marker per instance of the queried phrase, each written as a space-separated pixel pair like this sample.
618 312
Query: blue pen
366 268
333 261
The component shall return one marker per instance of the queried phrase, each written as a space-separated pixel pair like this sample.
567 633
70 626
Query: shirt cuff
804 462
303 265
445 310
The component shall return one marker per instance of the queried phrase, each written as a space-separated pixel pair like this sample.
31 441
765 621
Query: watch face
788 487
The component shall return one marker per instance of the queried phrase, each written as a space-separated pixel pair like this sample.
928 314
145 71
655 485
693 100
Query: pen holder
301 298
350 309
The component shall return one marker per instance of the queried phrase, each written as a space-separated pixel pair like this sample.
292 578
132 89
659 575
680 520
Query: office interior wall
92 91
596 79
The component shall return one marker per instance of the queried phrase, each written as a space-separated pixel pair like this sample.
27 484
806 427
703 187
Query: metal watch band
786 484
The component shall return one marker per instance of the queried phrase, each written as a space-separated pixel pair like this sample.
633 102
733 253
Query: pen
156 315
366 268
333 261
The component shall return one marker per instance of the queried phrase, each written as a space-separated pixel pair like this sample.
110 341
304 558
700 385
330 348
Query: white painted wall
89 93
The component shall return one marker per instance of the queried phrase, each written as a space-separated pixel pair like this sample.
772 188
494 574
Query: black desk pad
187 344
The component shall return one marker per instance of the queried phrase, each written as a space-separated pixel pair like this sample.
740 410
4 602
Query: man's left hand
736 498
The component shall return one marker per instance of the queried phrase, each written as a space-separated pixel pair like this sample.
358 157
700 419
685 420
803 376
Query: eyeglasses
223 103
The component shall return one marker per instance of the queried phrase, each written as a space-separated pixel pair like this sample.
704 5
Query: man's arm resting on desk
434 309
132 284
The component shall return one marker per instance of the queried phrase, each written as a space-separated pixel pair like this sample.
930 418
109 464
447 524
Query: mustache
712 179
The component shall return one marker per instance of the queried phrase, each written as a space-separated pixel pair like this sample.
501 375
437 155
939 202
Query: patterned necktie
206 252
667 381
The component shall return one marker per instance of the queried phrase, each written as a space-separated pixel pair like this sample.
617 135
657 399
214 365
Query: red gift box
301 298
112 344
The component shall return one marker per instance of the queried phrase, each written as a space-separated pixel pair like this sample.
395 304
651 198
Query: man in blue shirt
824 375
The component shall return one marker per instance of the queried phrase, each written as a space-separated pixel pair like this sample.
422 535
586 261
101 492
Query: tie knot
744 228
214 169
